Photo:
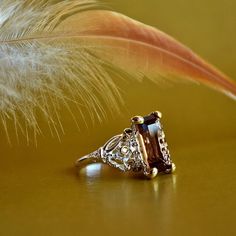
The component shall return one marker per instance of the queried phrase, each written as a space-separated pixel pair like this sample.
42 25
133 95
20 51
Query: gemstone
155 144
124 150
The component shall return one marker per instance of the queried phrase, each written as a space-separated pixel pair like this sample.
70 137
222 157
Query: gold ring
140 148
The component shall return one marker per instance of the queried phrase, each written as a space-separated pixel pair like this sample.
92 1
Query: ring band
140 148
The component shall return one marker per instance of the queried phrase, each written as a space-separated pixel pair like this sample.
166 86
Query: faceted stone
155 143
124 150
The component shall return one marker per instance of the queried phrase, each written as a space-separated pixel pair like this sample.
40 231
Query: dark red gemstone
155 143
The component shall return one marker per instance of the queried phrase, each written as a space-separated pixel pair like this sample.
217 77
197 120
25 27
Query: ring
140 148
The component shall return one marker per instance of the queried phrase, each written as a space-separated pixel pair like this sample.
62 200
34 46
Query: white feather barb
38 74
56 53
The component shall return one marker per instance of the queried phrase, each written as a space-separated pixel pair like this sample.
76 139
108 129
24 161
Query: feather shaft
58 53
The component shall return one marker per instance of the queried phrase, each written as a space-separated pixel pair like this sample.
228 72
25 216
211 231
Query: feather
138 47
55 53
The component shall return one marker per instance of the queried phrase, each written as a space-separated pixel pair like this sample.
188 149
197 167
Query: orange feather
136 47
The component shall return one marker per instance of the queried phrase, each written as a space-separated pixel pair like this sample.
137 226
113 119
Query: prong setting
173 169
152 173
137 120
158 114
128 131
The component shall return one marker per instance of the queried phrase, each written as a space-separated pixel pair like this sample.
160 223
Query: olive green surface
41 193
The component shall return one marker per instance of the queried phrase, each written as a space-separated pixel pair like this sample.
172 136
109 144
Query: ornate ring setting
141 148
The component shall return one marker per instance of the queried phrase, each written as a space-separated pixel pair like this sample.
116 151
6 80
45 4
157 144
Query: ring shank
86 160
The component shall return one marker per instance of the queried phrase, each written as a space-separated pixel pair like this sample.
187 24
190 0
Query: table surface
43 194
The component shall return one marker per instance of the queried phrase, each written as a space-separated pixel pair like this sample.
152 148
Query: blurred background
42 194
